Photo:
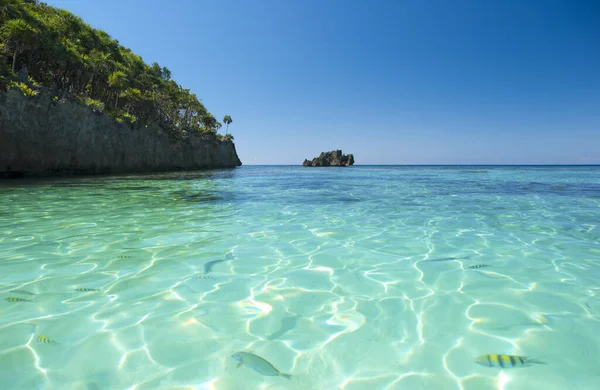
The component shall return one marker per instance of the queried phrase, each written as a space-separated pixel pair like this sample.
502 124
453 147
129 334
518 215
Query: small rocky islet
334 158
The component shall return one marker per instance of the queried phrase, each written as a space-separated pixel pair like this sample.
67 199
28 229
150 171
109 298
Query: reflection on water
362 278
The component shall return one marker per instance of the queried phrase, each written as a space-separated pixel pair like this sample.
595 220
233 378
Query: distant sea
368 277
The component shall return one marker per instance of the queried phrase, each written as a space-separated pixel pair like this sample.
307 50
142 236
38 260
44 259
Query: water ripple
363 278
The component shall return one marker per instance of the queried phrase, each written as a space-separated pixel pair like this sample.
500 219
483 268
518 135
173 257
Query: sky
393 82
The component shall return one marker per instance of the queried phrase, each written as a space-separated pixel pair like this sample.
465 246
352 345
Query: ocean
368 277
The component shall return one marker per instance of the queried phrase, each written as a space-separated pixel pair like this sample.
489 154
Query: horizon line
442 165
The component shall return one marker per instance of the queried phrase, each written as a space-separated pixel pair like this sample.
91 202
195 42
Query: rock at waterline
335 158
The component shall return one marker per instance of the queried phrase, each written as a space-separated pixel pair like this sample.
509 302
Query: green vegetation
75 61
227 120
23 87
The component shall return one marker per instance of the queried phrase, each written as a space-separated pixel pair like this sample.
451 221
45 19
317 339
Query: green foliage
23 87
129 119
227 120
117 79
96 105
32 82
65 54
18 36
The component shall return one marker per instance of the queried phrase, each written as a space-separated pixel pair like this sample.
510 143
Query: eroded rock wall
39 137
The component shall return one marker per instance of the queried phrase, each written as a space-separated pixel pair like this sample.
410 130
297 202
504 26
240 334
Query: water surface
352 278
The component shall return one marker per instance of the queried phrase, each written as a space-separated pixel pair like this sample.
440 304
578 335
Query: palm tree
117 81
18 34
227 120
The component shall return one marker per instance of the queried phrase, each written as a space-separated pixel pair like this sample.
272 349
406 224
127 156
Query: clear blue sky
394 82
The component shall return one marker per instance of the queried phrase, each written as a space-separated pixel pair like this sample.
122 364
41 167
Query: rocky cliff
334 158
40 137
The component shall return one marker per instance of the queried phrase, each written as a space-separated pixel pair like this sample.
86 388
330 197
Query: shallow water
351 278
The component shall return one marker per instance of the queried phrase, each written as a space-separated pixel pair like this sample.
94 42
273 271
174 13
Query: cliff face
335 158
41 138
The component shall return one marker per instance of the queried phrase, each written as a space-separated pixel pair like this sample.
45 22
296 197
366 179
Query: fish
440 259
258 364
16 299
445 259
505 361
478 266
46 340
86 289
204 276
124 257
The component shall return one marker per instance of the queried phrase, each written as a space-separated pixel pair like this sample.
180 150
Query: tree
209 123
133 99
20 35
8 8
117 82
227 120
68 56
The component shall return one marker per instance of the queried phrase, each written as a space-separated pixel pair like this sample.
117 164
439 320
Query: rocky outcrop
40 137
334 158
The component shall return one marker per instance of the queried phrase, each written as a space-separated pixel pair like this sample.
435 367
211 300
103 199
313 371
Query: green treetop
73 60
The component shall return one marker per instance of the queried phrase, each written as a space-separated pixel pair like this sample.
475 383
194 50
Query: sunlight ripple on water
358 278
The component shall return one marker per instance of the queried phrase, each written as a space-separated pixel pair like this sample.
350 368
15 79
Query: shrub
130 119
24 88
96 105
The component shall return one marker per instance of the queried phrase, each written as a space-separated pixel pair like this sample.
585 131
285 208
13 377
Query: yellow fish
15 299
46 340
505 361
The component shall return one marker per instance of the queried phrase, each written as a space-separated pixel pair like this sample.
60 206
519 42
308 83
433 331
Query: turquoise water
351 278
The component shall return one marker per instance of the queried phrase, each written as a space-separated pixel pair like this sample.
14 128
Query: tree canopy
227 120
75 61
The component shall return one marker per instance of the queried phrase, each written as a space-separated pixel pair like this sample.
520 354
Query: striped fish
16 299
46 340
86 289
479 266
505 361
